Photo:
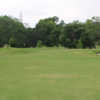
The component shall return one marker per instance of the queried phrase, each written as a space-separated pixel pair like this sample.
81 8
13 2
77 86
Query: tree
51 32
12 42
46 31
11 27
39 44
31 38
89 36
71 34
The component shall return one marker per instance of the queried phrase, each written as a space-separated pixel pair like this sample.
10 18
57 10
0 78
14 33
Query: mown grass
49 74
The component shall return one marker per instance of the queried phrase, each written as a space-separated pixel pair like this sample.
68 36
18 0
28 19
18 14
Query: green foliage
11 27
12 42
79 44
51 32
67 43
47 32
39 44
71 34
88 41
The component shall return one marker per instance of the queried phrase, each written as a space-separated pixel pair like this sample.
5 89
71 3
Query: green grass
49 74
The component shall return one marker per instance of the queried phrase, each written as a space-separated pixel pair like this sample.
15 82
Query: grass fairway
49 74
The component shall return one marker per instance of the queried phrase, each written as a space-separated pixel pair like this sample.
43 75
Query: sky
34 10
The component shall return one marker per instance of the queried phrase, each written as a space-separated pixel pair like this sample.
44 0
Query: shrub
79 44
12 42
39 44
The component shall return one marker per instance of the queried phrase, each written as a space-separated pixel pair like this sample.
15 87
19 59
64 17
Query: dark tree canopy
50 32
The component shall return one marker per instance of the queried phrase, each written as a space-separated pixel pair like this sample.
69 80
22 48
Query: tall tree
45 31
71 34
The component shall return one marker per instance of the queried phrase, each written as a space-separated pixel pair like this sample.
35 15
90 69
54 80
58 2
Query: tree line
50 32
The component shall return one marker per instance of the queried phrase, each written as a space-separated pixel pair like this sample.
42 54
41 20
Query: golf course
49 74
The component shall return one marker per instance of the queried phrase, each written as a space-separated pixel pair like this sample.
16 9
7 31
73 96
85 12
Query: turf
49 74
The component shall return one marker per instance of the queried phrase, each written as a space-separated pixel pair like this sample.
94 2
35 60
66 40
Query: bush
79 44
12 42
39 44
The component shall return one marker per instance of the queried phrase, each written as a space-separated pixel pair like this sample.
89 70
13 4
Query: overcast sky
33 10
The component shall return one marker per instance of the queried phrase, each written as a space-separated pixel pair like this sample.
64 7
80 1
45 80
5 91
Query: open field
49 74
